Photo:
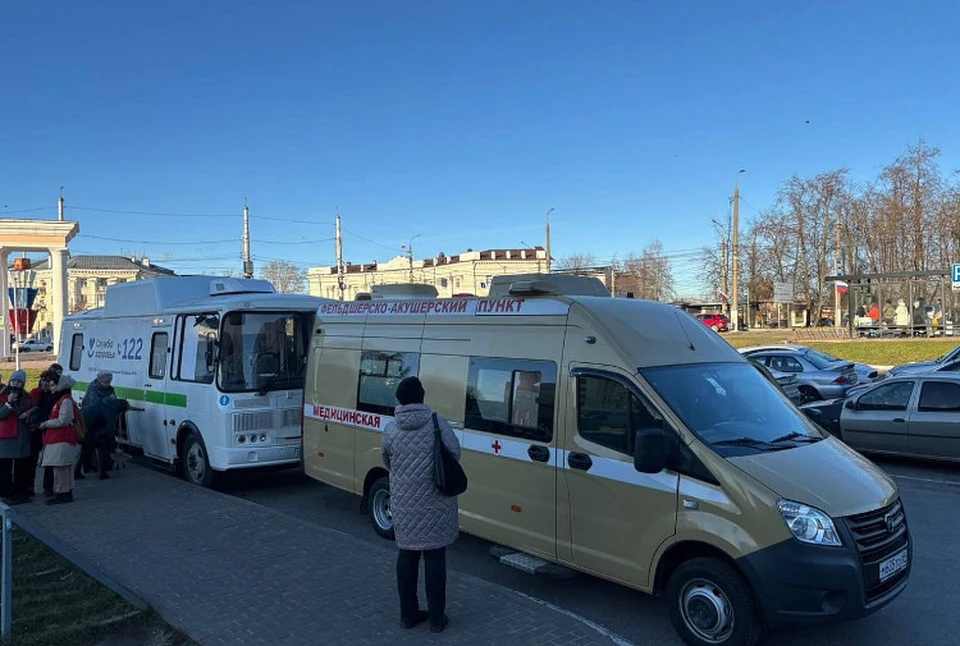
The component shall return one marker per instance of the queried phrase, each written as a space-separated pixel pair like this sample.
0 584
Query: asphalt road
924 614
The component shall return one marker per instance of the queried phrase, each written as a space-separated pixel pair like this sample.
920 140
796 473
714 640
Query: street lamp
549 211
735 305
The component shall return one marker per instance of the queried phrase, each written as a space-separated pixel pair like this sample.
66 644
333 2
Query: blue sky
460 121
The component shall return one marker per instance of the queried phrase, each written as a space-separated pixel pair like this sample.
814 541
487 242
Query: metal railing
10 518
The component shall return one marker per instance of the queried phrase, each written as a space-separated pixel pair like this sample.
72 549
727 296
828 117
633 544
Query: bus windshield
263 351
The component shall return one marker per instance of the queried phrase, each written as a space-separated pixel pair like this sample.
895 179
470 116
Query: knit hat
20 376
410 391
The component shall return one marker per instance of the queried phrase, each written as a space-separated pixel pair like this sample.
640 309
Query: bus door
153 420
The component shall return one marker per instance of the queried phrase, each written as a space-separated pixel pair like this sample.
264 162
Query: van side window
511 397
380 374
76 351
609 414
158 355
198 348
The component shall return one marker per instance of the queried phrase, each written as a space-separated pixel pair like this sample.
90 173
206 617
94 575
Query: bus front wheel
379 501
194 461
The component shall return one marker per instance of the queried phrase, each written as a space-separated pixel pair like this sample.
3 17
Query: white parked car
34 345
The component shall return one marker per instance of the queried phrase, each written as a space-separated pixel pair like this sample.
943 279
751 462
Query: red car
716 322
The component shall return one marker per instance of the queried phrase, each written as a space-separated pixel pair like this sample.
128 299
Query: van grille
290 416
254 421
262 420
878 535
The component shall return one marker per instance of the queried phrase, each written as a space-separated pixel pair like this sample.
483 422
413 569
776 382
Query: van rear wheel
380 515
711 604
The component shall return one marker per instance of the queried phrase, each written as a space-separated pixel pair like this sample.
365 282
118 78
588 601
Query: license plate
892 565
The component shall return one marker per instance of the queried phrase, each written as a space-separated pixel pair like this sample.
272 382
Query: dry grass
56 603
876 352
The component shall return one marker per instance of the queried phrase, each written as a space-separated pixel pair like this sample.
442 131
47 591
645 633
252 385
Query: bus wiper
266 387
796 437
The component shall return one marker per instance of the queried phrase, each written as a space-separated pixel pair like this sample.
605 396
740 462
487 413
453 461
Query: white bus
217 365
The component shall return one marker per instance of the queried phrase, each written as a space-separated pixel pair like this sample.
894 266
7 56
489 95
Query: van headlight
808 524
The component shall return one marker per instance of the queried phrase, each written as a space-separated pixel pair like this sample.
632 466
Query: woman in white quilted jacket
424 520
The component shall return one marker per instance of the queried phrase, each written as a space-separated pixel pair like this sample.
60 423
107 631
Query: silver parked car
865 373
786 381
816 378
918 367
913 415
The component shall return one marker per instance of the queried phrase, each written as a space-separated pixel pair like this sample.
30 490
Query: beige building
466 273
87 281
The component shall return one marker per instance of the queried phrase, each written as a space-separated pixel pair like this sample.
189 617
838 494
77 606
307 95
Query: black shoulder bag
447 473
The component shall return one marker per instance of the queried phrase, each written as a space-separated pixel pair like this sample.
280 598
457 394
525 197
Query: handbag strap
436 426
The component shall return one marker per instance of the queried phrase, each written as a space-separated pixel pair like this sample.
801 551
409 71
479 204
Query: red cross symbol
496 446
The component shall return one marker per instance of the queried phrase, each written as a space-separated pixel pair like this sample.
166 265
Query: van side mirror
650 450
851 404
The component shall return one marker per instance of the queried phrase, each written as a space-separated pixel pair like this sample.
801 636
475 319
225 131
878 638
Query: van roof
654 334
648 333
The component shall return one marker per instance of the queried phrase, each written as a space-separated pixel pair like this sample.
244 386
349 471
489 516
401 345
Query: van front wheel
711 604
380 515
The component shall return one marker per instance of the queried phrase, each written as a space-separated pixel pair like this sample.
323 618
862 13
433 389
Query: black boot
61 498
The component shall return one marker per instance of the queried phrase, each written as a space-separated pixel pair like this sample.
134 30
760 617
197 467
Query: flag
841 286
723 297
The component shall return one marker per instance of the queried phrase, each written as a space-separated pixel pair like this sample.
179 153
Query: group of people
39 428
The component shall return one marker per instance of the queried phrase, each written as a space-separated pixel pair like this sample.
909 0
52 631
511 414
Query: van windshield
732 407
261 351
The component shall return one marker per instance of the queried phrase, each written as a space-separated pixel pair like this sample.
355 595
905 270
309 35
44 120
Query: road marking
953 483
609 634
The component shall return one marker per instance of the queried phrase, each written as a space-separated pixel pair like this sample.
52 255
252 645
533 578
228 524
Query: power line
155 213
168 214
202 242
39 208
379 244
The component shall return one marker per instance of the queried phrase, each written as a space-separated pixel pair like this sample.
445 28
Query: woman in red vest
60 440
15 474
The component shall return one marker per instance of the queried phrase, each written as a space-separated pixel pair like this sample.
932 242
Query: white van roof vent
407 291
220 286
546 285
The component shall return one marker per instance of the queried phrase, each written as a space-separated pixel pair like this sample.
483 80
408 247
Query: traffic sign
782 292
955 276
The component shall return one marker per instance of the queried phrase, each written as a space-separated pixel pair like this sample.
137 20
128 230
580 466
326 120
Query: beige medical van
621 438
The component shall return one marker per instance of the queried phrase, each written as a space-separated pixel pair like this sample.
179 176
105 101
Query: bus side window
76 351
158 355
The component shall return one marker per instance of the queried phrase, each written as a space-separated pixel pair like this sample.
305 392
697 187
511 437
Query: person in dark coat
101 420
99 388
425 521
16 477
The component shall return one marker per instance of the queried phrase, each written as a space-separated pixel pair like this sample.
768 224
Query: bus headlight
808 524
241 439
263 437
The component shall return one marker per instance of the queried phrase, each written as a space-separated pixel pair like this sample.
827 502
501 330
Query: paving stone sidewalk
228 571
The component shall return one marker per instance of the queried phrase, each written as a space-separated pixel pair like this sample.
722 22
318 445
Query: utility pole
410 255
60 206
548 238
724 285
839 272
247 260
340 277
735 303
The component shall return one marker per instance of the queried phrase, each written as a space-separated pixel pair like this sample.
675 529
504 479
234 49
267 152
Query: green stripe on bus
147 396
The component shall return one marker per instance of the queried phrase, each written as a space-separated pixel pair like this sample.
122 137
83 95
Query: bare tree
577 262
286 277
648 275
